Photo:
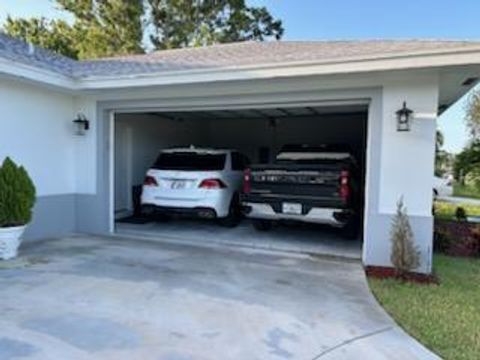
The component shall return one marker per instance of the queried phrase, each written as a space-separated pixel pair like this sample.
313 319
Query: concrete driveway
118 298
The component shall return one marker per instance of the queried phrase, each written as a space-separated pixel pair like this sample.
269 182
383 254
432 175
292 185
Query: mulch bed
383 272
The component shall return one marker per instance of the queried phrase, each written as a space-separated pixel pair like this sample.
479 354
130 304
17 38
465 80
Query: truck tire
262 225
350 230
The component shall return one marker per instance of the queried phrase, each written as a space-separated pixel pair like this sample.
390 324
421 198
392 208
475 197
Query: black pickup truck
315 184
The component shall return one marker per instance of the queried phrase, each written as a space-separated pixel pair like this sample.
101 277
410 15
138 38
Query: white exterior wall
86 147
405 170
407 161
36 131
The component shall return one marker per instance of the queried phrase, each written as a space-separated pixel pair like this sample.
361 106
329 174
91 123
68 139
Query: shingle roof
220 56
21 52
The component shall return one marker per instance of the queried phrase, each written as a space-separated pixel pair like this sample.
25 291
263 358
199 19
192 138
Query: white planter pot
10 239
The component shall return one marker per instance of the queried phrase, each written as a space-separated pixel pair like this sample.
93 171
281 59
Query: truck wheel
262 225
350 230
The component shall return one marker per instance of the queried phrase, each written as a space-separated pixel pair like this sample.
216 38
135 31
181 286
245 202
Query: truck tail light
344 185
150 181
247 181
212 184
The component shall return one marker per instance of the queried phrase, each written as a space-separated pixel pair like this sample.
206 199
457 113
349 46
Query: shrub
17 195
457 238
460 214
405 256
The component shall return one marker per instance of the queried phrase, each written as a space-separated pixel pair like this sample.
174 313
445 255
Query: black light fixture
404 118
81 124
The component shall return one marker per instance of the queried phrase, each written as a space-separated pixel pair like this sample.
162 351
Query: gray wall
53 215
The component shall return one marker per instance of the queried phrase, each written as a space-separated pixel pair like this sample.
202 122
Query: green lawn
446 211
445 317
466 191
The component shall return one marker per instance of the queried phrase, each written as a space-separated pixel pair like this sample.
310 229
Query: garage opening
259 134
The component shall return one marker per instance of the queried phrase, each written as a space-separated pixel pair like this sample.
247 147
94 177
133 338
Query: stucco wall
74 176
405 168
36 131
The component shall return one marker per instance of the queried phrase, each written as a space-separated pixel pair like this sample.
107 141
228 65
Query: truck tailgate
312 183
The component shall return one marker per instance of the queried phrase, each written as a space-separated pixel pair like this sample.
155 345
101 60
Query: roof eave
436 59
290 69
36 74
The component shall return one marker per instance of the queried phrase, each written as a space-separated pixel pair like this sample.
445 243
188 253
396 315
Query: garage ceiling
264 113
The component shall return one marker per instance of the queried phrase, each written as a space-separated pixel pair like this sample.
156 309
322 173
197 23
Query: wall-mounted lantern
81 124
404 118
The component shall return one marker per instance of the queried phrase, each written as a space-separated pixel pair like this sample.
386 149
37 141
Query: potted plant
17 197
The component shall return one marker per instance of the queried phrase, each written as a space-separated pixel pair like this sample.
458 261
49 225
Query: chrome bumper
315 215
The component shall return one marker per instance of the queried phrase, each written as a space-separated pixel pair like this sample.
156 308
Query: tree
117 27
404 256
468 163
55 35
106 27
473 115
441 156
100 28
183 23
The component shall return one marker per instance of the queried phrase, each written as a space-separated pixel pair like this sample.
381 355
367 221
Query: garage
111 117
259 133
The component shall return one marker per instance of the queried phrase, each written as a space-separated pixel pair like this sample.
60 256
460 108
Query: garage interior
258 133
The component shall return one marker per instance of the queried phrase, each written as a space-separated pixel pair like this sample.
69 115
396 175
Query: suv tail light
212 184
247 181
150 181
344 185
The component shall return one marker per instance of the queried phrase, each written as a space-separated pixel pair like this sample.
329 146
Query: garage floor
310 239
116 298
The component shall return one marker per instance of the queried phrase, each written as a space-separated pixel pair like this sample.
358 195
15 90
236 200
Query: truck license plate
292 208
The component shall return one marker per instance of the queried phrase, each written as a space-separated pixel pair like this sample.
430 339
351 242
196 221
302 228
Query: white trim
129 149
244 105
37 74
111 171
352 100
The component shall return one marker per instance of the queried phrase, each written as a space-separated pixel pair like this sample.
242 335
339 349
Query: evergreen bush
404 256
17 195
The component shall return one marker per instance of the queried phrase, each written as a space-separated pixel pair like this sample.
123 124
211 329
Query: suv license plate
291 208
178 184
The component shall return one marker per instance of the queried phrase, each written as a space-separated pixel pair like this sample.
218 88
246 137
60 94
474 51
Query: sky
350 19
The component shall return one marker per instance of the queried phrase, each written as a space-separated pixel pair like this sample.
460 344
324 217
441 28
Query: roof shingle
219 56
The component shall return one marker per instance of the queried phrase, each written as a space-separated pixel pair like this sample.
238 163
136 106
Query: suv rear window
190 161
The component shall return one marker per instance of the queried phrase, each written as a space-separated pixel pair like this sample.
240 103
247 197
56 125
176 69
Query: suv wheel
233 217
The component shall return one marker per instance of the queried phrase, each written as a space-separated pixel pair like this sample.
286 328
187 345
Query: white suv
195 181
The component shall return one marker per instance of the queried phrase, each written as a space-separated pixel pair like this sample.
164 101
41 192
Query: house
247 95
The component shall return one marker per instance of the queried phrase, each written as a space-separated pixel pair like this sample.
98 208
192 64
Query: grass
445 317
446 211
466 191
